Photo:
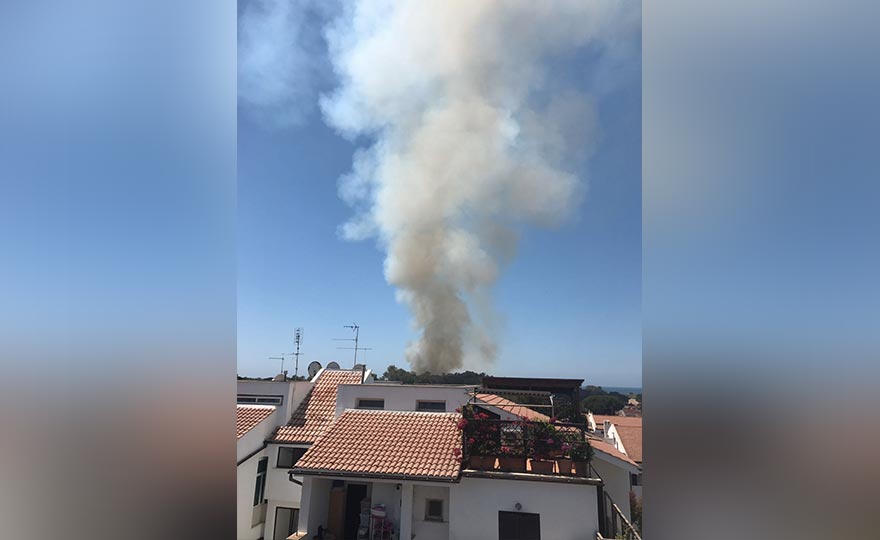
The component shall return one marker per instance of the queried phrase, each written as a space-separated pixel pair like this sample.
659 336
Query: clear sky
569 302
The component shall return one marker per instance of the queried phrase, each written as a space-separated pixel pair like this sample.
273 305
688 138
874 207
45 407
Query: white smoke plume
475 136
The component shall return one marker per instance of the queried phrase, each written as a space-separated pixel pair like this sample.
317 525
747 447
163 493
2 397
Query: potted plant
564 461
544 445
512 458
487 450
581 453
480 436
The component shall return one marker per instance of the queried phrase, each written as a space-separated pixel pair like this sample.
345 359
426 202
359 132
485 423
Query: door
285 522
355 493
519 526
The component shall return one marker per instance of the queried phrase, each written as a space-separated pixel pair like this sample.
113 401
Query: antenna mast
297 338
356 329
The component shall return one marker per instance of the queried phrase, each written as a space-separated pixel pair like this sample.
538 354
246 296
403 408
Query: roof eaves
355 474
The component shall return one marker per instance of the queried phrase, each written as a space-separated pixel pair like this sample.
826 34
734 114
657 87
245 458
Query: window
287 457
433 510
370 403
260 483
285 522
431 406
519 526
248 399
635 479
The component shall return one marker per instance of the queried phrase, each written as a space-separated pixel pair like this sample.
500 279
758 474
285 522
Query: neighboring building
596 422
616 469
511 407
406 461
303 410
624 434
284 395
253 424
310 452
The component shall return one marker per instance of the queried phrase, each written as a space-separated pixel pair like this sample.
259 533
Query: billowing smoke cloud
475 135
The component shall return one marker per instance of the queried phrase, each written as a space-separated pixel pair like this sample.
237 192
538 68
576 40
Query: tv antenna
356 329
298 339
282 362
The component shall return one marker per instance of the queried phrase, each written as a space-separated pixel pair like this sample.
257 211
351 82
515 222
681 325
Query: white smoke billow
473 137
477 129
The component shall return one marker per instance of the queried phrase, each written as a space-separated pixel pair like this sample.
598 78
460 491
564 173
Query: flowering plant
481 435
545 440
512 450
582 451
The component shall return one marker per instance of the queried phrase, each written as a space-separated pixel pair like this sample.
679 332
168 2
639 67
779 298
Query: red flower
456 451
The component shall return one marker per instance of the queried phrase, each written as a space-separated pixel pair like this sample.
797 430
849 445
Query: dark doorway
519 526
355 493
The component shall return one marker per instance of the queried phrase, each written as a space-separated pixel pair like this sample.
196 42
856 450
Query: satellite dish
314 368
332 365
359 367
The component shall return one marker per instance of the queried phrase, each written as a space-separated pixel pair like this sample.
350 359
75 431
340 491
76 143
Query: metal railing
616 523
522 439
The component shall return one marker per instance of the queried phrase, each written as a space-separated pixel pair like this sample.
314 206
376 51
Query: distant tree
394 373
604 404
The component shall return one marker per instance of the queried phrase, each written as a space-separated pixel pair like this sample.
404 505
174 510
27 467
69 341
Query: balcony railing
616 524
526 446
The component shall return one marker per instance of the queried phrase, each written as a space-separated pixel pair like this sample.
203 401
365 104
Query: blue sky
569 302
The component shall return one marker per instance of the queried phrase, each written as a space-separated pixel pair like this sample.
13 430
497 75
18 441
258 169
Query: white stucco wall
246 479
568 511
400 397
430 530
616 478
613 437
316 503
388 494
280 491
246 475
293 393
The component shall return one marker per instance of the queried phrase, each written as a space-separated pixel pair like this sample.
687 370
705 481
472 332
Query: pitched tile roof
512 408
317 409
631 436
400 444
248 416
600 445
634 421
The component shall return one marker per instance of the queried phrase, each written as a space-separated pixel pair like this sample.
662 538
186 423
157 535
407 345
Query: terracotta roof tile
317 410
634 421
248 416
631 436
401 444
512 408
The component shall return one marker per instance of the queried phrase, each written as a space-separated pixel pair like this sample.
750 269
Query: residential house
397 447
271 448
253 424
624 434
